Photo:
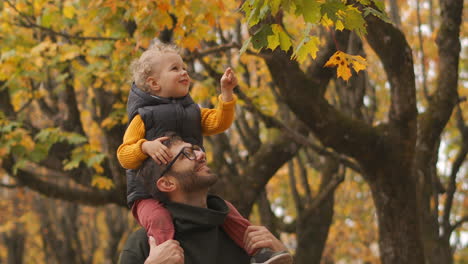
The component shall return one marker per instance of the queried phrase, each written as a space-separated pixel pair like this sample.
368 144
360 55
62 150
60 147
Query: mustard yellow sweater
214 121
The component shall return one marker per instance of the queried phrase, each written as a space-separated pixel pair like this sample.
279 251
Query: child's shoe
268 256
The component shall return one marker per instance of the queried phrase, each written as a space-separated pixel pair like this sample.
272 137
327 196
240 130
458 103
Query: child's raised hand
157 151
229 80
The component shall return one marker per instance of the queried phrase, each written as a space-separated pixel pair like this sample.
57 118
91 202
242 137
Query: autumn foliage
349 143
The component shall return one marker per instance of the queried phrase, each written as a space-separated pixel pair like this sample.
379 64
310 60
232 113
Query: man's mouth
201 166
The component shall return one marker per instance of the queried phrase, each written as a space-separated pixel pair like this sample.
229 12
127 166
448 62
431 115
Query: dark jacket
199 233
160 115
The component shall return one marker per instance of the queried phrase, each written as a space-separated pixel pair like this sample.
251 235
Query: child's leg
157 221
235 226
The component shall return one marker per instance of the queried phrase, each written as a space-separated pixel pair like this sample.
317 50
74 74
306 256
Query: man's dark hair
150 171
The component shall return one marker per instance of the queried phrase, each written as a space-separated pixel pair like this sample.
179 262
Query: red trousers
157 221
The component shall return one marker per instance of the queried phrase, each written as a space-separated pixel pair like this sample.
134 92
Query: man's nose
200 155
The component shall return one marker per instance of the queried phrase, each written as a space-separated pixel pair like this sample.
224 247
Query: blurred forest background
369 170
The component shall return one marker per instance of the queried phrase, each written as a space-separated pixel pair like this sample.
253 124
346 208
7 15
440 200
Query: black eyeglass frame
188 155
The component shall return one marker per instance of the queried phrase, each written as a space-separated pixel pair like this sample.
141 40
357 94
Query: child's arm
135 148
215 121
228 83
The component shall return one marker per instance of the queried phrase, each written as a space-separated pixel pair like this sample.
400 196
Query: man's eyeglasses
188 152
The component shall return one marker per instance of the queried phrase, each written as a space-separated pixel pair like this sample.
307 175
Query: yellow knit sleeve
215 121
129 153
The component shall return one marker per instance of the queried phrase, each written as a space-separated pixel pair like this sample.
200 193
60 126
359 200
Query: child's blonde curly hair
143 67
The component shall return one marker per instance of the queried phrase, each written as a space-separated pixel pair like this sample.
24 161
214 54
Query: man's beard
190 181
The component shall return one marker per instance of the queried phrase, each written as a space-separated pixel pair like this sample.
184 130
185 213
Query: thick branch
263 165
395 53
294 135
445 97
81 195
304 97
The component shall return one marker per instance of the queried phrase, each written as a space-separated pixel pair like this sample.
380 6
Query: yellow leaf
273 40
98 168
27 142
69 11
339 25
343 61
191 43
359 63
101 182
344 71
326 22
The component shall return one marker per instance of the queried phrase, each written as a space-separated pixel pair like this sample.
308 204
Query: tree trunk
14 241
312 227
394 195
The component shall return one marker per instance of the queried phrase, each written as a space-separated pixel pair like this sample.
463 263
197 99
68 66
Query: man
183 184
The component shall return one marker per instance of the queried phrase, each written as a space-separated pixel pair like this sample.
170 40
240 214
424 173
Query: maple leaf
344 62
279 38
308 46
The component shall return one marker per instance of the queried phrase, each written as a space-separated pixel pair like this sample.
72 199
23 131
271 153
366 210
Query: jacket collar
187 217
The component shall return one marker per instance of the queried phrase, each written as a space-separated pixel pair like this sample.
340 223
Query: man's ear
153 84
166 184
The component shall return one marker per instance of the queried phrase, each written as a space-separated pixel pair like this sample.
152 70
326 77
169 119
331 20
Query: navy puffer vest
161 115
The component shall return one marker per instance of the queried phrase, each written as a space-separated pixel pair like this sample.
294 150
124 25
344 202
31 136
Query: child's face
170 75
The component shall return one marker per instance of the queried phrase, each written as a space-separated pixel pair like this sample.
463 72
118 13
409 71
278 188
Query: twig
421 48
459 223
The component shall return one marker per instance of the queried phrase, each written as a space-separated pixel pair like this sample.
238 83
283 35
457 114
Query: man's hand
168 252
157 151
256 237
228 82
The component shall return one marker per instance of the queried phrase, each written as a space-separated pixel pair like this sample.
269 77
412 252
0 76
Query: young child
159 102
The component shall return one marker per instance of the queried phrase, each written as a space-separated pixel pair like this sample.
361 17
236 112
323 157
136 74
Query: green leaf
331 8
285 40
260 39
73 164
273 40
354 21
245 45
364 2
253 11
377 13
311 11
380 5
274 6
75 139
95 159
39 153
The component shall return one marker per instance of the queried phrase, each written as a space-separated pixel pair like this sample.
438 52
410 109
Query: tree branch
324 193
29 23
294 135
292 184
77 194
212 50
9 186
459 223
385 38
421 49
445 97
452 185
